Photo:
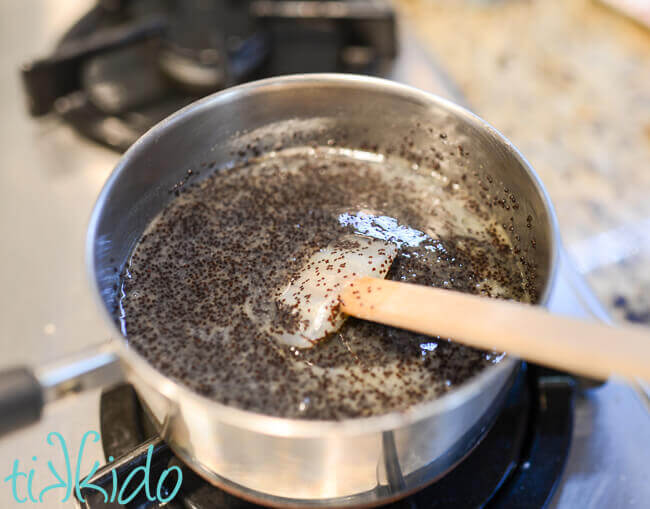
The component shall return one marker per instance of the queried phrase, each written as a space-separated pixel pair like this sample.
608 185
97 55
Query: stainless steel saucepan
272 460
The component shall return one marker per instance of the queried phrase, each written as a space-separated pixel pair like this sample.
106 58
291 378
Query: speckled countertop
568 81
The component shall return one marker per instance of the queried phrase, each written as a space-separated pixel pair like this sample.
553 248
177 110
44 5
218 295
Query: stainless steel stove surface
51 177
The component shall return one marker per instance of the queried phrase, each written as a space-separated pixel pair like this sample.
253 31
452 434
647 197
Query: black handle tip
21 399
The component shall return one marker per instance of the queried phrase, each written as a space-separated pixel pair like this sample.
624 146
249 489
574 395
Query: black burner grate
127 64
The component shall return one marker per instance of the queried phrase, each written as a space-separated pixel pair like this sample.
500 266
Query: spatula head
309 304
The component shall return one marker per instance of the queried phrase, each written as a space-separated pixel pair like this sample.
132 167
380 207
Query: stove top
606 464
126 65
518 463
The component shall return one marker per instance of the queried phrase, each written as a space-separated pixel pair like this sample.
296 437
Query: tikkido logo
23 489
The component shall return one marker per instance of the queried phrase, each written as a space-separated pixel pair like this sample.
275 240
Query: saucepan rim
288 427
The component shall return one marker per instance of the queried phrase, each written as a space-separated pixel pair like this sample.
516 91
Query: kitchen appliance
351 462
604 468
126 65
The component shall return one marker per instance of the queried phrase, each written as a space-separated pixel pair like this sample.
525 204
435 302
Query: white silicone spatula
347 279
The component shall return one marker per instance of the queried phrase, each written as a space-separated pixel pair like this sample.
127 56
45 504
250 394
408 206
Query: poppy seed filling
198 292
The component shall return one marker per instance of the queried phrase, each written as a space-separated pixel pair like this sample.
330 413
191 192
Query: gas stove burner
517 464
127 64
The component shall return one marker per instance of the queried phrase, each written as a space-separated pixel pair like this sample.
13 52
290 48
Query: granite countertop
568 81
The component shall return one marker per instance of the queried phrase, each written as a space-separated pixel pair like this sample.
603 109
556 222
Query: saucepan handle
24 392
21 398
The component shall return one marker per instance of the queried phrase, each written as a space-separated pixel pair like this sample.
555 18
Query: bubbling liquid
198 291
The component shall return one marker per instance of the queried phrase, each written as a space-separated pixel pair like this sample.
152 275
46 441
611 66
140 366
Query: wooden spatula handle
530 332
